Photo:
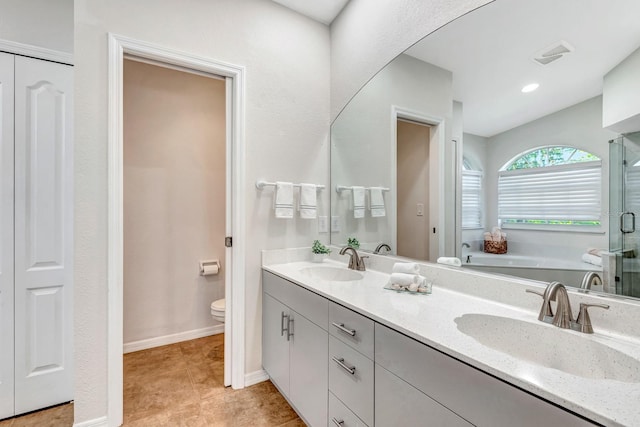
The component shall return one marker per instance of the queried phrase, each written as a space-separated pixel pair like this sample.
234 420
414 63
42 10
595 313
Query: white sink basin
551 347
332 274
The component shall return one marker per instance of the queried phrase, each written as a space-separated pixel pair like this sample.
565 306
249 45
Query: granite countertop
431 319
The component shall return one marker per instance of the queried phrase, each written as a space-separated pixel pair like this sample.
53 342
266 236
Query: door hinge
228 241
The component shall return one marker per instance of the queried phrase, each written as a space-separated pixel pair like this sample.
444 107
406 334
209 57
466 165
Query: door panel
275 346
6 235
43 234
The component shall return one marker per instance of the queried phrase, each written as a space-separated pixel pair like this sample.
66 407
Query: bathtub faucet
591 278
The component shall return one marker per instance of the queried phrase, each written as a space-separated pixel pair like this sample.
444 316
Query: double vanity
346 352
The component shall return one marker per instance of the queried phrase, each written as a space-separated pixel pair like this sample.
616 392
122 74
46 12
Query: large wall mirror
514 124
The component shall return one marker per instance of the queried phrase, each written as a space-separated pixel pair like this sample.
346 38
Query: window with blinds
471 199
557 194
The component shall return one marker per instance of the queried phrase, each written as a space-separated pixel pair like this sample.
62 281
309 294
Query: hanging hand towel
377 202
358 202
308 202
284 200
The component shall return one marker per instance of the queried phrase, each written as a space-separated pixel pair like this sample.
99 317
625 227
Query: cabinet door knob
340 362
336 422
341 327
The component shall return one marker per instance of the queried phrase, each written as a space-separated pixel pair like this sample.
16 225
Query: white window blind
471 199
554 193
632 189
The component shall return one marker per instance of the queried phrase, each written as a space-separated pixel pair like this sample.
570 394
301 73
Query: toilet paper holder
209 267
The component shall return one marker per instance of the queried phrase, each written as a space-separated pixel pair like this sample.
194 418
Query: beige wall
174 199
413 188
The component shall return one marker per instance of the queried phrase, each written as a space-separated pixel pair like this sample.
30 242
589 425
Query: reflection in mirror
467 144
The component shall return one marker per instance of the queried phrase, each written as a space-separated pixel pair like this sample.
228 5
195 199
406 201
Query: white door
6 235
43 234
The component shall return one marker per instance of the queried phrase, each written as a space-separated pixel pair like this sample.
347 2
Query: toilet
217 310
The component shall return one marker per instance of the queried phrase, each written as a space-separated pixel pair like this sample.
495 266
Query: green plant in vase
319 251
353 242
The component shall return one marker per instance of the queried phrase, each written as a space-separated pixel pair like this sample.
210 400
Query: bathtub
569 272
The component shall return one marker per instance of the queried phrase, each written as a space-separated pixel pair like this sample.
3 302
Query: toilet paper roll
208 270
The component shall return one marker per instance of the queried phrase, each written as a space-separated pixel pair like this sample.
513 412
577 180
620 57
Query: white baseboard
172 339
255 377
96 422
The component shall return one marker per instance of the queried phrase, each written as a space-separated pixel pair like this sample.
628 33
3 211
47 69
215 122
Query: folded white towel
308 201
377 202
284 200
358 202
449 261
405 267
592 259
404 279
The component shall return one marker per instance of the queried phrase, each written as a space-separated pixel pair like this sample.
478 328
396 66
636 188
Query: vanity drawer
340 415
472 394
314 307
355 388
351 328
398 400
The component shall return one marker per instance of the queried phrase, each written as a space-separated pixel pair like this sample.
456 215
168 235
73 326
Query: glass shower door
624 203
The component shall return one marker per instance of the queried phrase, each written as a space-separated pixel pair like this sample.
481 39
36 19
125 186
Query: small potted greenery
353 242
319 251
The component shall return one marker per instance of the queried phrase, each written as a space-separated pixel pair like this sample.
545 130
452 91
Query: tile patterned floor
181 385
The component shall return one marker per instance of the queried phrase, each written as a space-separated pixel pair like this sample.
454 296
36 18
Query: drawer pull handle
340 362
341 327
337 423
284 328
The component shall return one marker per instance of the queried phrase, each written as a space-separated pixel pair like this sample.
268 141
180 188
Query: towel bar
260 184
341 188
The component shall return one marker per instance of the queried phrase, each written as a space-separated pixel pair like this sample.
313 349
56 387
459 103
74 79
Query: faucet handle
583 322
531 291
361 266
545 310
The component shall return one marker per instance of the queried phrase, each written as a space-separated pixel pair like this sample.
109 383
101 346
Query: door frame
119 46
437 136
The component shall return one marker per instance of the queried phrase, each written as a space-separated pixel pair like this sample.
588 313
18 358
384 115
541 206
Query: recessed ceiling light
530 87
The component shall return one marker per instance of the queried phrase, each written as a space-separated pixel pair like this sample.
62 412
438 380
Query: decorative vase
318 257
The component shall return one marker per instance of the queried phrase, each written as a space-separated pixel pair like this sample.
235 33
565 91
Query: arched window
471 196
551 186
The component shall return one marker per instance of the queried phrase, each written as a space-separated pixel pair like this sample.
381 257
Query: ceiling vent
553 53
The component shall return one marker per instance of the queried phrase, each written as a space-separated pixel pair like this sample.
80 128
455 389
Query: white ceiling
489 52
323 11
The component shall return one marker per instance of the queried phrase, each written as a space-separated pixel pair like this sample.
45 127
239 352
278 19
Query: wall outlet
420 209
335 224
323 224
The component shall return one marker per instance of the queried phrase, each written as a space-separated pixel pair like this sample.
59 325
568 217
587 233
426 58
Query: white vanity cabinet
340 368
295 347
480 399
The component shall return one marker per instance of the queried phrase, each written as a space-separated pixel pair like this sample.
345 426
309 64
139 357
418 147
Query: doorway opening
175 176
418 154
121 49
412 171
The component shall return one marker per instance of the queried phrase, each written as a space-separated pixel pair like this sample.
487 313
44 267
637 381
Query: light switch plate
323 224
335 224
420 209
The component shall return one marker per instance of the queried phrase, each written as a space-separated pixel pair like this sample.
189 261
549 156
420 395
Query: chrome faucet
466 245
355 262
563 318
591 278
379 248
